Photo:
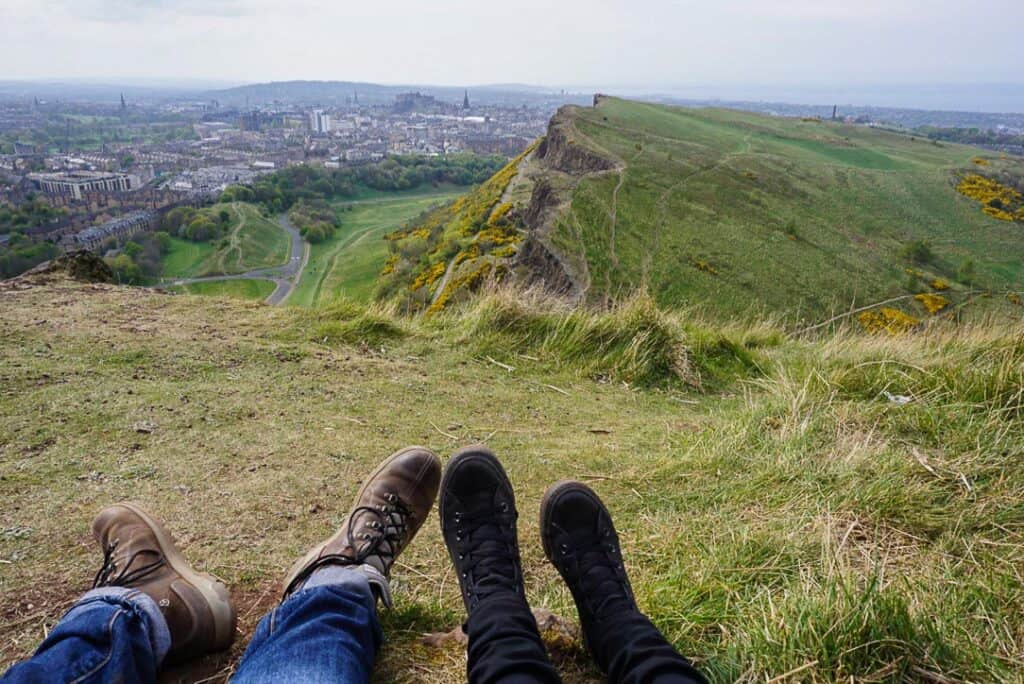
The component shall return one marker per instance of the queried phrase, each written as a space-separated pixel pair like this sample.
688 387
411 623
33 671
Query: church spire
465 100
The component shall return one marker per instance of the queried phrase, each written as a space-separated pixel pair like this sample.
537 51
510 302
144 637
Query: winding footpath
285 276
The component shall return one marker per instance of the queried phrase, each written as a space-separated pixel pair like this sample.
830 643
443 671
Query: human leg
478 521
326 628
580 540
147 606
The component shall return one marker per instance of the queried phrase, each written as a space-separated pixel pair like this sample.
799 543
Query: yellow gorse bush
999 201
932 303
887 320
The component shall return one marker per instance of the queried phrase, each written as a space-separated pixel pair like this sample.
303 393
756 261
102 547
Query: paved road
285 276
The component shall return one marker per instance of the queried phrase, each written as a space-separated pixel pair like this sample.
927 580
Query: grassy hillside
349 261
778 512
252 241
734 213
246 288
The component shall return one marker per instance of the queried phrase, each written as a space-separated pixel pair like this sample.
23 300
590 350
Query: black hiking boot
478 522
580 541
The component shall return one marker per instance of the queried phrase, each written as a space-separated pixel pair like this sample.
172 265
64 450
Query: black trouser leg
631 650
504 645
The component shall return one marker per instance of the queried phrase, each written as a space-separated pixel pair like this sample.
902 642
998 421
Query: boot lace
389 527
593 562
485 541
110 576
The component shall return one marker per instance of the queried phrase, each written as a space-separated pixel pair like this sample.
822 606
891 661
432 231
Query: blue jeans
325 632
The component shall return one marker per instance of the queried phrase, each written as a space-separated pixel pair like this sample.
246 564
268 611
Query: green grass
252 242
238 289
186 258
777 512
739 214
349 263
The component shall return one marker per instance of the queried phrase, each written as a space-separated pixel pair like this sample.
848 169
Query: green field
247 288
186 258
348 263
252 242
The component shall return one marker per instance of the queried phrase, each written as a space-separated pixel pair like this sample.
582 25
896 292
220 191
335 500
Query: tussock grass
343 321
634 341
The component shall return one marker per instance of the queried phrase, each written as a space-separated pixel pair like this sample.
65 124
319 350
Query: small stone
144 427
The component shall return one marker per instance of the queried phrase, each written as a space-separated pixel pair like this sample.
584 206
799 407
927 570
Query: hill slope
786 517
740 212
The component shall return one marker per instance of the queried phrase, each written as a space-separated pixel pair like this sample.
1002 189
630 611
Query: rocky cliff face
562 152
561 161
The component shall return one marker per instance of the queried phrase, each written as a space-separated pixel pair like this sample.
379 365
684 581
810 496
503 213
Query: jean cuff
364 579
159 632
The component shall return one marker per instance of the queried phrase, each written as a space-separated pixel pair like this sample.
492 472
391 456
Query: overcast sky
613 43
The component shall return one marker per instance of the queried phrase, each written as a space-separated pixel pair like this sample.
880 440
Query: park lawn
349 262
186 258
252 242
247 288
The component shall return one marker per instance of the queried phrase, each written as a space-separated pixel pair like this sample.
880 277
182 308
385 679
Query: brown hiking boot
139 553
388 511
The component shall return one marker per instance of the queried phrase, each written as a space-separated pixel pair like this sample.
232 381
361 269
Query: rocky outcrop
80 265
561 150
546 269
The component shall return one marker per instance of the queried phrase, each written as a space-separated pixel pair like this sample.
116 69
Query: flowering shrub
469 282
939 284
1000 201
980 161
429 276
932 303
702 265
1015 298
390 264
471 252
480 215
887 320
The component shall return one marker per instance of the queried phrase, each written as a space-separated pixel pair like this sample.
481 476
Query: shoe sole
314 553
217 596
547 504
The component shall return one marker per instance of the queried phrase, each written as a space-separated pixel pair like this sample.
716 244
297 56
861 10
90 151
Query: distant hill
731 211
341 92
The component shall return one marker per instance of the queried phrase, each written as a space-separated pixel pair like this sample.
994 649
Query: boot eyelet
504 507
458 516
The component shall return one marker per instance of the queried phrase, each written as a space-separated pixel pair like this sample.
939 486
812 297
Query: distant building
119 228
319 122
465 101
79 183
412 102
250 121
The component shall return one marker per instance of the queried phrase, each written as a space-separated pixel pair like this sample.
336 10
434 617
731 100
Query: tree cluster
197 225
279 191
140 258
34 212
315 220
